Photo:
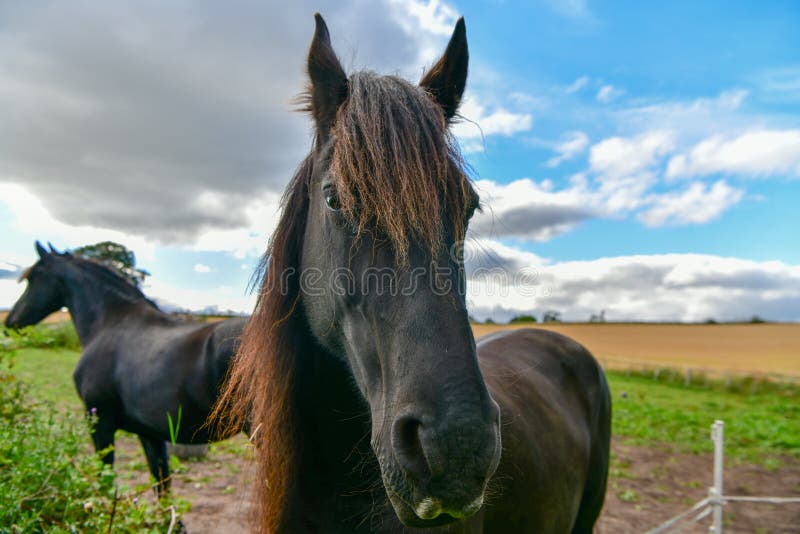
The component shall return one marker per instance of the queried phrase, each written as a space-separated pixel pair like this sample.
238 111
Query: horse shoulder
94 374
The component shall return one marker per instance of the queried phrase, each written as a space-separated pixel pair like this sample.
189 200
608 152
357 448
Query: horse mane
258 393
109 278
397 171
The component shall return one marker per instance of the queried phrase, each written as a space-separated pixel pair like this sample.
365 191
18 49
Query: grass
49 482
49 373
759 427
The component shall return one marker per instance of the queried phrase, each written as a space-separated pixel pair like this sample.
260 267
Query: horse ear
448 77
52 249
41 251
328 81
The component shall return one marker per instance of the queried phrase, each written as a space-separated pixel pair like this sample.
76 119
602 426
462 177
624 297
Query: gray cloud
751 279
124 114
683 287
6 274
536 221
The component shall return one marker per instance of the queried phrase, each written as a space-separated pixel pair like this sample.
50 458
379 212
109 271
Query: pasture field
743 349
53 318
761 426
753 349
661 461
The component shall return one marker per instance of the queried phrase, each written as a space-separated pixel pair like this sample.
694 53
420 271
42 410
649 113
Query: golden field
715 348
758 349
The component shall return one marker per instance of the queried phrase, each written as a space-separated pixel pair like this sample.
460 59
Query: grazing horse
372 408
138 363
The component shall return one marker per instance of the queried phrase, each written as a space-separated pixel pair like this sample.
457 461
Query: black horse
138 363
373 408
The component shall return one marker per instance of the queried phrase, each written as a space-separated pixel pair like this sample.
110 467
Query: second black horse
138 363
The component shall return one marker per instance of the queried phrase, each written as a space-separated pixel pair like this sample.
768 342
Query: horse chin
427 511
408 514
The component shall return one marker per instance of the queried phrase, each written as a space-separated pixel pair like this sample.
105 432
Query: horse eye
332 200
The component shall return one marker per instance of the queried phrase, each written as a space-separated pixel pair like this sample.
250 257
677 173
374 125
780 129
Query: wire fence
713 504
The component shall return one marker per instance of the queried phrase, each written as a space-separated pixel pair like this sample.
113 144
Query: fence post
716 493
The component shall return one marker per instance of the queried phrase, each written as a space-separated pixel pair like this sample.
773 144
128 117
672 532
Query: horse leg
156 452
103 437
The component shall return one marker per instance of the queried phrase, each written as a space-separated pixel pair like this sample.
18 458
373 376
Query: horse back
147 366
555 417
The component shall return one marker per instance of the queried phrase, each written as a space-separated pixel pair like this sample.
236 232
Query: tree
116 256
598 317
551 316
518 319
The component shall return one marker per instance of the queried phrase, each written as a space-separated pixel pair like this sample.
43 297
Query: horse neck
90 304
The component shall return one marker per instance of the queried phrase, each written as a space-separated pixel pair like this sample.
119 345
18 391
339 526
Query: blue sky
653 53
642 158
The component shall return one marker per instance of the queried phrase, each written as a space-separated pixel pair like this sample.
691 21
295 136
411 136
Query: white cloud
699 203
669 287
607 93
480 122
222 298
434 16
10 291
782 83
621 156
693 118
574 143
32 218
620 182
578 84
202 268
755 153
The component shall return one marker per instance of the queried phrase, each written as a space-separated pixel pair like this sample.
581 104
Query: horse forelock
396 167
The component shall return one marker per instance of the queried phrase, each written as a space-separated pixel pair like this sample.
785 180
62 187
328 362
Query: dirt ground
648 486
655 483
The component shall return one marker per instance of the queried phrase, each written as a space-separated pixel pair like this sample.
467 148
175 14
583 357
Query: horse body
165 377
555 420
138 364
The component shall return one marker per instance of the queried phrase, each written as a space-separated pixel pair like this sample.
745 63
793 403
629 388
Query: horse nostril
408 448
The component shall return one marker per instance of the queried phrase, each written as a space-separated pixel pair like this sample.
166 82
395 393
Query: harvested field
752 349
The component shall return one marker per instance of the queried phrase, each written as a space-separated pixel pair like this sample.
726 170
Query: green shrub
50 481
47 336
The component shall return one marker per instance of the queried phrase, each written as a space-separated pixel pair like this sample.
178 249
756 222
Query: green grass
49 374
49 482
759 427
